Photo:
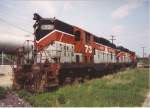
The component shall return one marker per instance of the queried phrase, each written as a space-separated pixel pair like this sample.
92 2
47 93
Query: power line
22 19
16 26
4 12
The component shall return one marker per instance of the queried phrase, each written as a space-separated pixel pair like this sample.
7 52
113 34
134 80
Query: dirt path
147 101
12 100
6 76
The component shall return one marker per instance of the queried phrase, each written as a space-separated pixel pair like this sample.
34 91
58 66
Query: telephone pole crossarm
112 38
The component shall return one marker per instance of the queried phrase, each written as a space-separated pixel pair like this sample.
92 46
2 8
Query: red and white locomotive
66 43
63 52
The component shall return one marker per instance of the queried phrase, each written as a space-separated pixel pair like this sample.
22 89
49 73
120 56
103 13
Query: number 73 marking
88 49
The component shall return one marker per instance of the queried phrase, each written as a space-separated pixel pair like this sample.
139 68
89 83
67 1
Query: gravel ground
12 100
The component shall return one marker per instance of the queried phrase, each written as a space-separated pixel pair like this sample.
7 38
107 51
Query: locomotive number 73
88 49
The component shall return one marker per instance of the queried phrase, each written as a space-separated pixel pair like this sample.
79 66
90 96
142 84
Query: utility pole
2 58
112 38
143 51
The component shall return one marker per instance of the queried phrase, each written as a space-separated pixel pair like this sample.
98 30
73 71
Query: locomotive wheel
86 78
67 81
78 80
75 81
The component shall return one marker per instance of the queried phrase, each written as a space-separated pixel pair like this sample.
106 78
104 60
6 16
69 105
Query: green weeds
128 88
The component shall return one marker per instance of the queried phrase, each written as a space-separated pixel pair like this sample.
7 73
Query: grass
128 88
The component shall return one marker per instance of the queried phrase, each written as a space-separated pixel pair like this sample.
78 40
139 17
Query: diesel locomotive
63 54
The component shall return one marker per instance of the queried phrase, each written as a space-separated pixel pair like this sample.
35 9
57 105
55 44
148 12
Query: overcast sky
125 19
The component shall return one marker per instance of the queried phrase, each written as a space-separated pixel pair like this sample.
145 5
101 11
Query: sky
127 20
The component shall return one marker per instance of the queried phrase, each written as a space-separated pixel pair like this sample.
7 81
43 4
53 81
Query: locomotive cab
42 26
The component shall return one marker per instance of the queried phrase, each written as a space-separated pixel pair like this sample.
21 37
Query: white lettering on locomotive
88 49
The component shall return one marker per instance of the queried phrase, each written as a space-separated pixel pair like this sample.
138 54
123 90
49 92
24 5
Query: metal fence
6 59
